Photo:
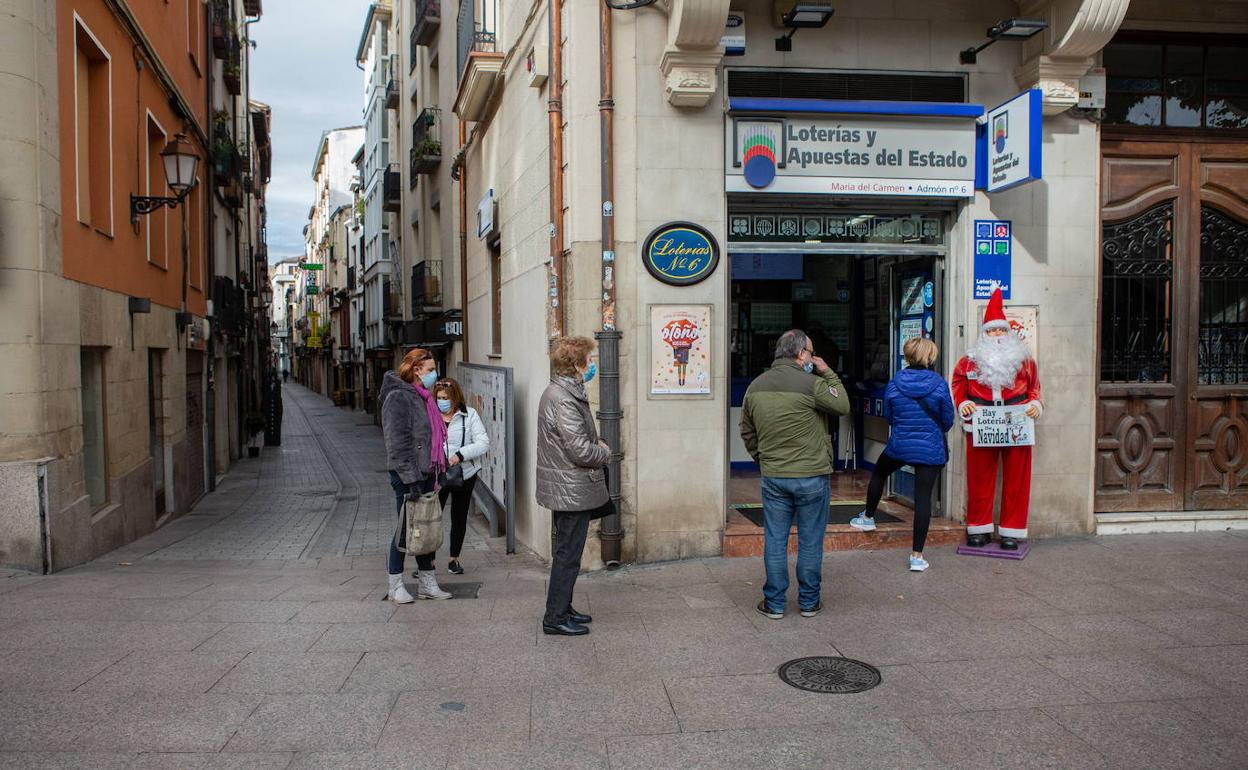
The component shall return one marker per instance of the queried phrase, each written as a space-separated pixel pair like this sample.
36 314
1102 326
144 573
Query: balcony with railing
428 19
391 78
427 286
426 153
392 190
222 28
480 60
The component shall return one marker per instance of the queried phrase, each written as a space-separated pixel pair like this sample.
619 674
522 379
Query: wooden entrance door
1172 406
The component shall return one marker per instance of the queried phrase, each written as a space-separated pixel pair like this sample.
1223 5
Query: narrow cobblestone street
250 634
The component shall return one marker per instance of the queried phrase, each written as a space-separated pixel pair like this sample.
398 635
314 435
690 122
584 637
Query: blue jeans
806 500
394 564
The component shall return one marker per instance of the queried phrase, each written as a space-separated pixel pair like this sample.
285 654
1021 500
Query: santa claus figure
997 370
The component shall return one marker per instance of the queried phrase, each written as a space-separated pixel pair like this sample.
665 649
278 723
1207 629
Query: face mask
428 379
444 405
808 367
590 372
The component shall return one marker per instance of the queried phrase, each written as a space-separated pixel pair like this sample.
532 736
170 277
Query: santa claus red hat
994 316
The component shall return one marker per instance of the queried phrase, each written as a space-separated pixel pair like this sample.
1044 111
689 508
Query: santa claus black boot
978 540
1009 544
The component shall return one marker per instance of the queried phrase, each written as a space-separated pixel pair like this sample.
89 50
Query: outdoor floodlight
1009 29
803 16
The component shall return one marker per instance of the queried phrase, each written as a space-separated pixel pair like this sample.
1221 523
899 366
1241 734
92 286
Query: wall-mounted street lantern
803 16
181 163
1009 29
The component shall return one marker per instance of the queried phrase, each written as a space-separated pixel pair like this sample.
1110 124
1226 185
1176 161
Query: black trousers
394 564
571 528
925 478
461 501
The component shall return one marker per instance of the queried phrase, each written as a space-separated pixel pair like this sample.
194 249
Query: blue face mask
808 367
444 405
590 372
428 379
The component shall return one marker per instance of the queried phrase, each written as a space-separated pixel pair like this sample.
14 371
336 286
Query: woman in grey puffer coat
571 479
415 437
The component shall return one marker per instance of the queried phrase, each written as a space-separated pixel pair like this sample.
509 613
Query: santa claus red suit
997 370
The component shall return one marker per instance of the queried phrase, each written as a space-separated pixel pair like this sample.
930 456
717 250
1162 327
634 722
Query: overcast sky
304 66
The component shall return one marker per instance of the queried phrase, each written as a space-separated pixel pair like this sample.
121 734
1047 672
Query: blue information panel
994 249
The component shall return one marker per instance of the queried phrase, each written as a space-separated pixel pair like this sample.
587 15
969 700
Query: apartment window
1177 81
157 223
194 34
93 455
92 130
496 299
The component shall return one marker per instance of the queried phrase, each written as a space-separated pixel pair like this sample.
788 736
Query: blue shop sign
680 253
992 262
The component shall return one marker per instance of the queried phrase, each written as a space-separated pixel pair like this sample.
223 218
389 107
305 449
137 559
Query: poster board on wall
1023 319
488 389
680 350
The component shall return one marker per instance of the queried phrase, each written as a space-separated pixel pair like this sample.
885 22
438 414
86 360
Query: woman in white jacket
466 443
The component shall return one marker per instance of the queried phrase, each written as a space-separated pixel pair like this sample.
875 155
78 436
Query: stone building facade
105 429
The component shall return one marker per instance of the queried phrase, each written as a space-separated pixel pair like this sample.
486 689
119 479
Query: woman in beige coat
571 479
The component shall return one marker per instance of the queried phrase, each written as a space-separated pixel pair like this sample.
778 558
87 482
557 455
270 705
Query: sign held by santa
997 371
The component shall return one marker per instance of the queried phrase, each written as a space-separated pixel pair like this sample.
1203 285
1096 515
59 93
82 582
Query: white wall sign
852 155
733 40
1003 426
1014 131
485 214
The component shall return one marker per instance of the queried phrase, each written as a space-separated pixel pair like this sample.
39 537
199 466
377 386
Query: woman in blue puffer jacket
919 409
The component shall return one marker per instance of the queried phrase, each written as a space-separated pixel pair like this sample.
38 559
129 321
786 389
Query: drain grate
825 674
462 590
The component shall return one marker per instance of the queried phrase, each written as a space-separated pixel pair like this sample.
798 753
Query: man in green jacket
784 424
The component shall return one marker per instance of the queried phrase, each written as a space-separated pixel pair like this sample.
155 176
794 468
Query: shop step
744 538
1170 521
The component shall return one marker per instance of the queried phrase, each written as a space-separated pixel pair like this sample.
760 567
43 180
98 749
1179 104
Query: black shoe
813 610
455 567
579 617
766 611
1009 544
978 541
566 628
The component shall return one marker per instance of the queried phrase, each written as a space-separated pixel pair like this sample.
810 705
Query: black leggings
461 500
925 477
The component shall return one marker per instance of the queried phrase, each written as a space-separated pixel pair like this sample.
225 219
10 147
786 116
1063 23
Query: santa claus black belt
1012 401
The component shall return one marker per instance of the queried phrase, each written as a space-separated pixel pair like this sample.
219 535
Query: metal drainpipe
554 109
463 238
610 414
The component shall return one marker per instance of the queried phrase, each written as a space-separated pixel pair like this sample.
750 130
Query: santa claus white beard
998 359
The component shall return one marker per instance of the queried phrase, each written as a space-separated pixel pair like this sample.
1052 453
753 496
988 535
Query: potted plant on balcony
231 73
255 427
428 155
220 37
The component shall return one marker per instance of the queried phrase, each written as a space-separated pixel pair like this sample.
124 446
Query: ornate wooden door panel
1218 419
1139 410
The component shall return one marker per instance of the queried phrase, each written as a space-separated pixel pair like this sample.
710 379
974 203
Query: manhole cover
827 674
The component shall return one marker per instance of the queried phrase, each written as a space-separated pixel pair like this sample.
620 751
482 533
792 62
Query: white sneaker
918 564
863 522
398 592
427 586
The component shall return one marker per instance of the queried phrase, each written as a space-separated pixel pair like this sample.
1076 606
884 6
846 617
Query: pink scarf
437 429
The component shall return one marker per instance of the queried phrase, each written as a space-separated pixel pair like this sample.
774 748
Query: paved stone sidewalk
250 635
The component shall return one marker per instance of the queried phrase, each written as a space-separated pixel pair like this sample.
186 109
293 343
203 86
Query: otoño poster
680 350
